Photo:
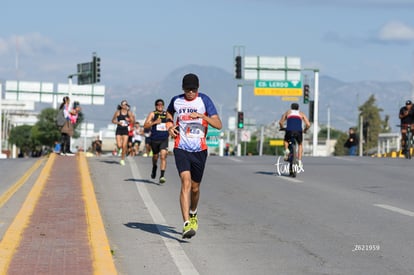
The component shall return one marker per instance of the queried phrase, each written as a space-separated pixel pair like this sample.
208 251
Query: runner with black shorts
122 118
156 120
194 111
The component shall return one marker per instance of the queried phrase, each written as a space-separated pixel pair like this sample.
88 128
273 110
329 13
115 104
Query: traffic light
306 94
311 110
240 120
96 69
238 67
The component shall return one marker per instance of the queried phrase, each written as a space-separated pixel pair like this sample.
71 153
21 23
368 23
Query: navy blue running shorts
158 145
194 162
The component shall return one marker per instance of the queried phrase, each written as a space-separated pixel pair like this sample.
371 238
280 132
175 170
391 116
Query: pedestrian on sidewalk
57 148
352 142
194 111
97 146
156 120
67 131
122 118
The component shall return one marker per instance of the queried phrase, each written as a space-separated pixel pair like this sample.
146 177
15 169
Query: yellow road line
13 235
101 251
13 189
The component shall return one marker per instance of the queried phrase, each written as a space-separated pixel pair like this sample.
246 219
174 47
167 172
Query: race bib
194 130
161 127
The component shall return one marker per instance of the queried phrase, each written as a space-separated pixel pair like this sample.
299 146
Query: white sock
193 212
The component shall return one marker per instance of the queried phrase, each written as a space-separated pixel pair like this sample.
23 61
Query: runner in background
156 120
122 118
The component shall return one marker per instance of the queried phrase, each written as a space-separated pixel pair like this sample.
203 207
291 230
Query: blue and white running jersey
192 137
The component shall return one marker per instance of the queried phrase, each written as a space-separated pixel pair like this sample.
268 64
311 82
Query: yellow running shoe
194 221
188 230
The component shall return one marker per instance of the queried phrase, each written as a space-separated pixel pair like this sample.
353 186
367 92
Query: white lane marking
235 159
176 251
396 209
347 159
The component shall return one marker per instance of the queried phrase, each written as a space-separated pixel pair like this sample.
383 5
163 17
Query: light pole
315 110
238 55
239 109
316 114
1 120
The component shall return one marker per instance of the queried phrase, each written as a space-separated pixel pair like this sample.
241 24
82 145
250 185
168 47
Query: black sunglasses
194 90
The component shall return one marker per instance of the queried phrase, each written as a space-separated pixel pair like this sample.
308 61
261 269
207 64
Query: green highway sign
213 132
278 87
213 137
277 84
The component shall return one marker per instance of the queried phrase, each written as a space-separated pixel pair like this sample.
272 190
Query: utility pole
328 138
238 54
239 109
1 120
315 111
361 135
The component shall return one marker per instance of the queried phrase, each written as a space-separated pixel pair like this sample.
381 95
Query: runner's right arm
149 121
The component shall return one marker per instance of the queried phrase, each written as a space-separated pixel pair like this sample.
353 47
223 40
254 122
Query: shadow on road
273 174
110 161
163 230
143 181
266 173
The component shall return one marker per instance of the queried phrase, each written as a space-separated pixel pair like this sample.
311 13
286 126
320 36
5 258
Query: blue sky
142 41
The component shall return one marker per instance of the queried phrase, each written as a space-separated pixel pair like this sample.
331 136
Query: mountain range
338 100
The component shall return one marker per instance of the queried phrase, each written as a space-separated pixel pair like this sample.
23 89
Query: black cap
190 81
408 102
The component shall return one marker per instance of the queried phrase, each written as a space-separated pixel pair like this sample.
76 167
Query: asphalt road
341 215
